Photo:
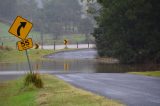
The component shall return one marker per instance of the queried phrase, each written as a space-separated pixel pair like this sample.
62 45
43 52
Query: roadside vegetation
53 20
12 56
54 93
129 30
148 73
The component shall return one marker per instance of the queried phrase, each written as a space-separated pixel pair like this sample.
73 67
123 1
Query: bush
35 79
129 29
1 47
5 48
8 48
1 54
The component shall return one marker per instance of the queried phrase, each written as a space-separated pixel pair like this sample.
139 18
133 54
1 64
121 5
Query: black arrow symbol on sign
23 24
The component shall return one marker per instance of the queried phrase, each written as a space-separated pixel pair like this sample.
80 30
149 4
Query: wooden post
88 44
42 42
54 46
77 45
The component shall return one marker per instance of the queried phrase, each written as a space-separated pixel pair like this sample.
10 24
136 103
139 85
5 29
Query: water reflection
120 68
85 65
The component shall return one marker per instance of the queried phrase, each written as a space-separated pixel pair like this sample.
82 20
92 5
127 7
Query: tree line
54 17
129 30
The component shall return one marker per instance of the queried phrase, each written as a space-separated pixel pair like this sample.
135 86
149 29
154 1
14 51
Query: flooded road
75 55
78 61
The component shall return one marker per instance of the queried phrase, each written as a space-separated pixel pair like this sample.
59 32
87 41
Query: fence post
42 42
54 46
77 45
88 44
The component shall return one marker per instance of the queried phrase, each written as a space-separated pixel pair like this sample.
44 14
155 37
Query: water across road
78 61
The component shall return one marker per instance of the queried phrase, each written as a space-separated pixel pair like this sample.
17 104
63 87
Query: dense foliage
129 30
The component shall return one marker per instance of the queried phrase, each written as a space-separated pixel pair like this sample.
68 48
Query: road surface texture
132 90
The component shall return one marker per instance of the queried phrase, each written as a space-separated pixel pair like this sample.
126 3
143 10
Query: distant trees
7 9
27 9
62 16
129 30
51 17
86 27
55 17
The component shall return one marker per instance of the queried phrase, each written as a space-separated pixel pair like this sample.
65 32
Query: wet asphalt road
132 90
75 54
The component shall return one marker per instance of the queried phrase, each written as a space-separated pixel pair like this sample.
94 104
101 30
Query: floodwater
79 61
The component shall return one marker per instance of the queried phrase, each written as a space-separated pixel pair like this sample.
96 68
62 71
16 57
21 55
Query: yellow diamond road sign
25 44
20 27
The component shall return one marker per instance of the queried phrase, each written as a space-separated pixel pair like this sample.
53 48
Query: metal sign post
28 61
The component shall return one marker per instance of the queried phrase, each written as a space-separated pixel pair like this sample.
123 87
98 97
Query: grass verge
55 93
148 73
13 56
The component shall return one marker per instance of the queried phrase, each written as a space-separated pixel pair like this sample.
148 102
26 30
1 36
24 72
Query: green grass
55 93
4 30
20 56
12 95
148 73
74 38
5 37
15 56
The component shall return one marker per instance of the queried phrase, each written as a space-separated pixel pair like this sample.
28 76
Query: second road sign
20 27
65 42
25 44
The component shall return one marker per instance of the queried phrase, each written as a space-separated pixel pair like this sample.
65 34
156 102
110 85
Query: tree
86 27
27 9
7 9
129 30
62 16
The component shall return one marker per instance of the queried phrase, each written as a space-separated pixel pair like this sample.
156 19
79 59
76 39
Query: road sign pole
28 61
